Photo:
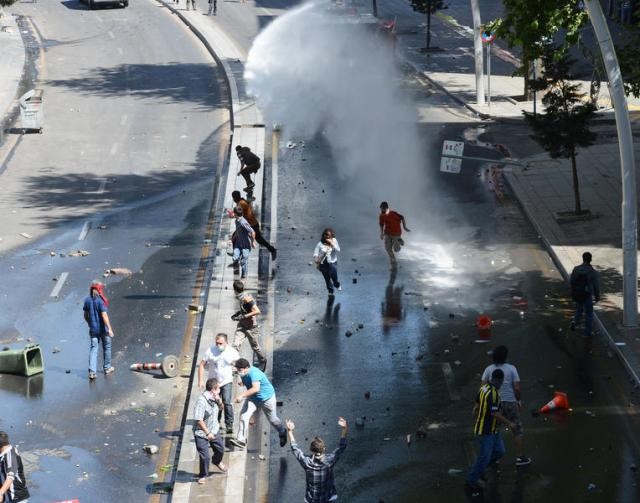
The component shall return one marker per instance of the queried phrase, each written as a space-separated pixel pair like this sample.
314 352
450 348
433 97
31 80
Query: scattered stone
360 423
367 395
354 280
150 449
303 370
451 315
261 457
454 471
122 271
79 253
55 349
102 227
196 308
153 476
591 487
68 371
360 326
348 333
409 439
457 362
52 253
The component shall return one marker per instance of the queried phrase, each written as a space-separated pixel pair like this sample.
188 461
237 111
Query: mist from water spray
313 74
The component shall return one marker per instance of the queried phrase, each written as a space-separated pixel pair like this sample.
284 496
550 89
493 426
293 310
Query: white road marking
123 119
103 184
84 231
111 35
59 284
448 378
114 149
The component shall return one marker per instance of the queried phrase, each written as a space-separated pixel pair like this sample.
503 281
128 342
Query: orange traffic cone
560 401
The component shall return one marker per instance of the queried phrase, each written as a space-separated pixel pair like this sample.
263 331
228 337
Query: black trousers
260 238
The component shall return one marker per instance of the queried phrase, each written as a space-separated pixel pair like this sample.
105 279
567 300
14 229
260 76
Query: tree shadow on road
160 83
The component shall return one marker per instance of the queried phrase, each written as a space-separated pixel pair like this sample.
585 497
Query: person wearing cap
13 485
100 329
490 444
391 225
244 240
259 394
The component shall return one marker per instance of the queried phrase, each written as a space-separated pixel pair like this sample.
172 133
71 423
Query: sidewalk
12 59
546 187
247 469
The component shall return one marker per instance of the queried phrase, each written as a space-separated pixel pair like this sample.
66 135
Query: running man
249 164
391 231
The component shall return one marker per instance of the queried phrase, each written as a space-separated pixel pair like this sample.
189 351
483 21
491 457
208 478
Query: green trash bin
26 361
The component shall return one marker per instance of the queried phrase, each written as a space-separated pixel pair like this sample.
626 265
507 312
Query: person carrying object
325 257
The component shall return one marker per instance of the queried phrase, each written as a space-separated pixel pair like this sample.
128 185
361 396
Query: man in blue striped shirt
490 444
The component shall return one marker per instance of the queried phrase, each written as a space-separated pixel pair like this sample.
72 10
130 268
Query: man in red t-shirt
391 231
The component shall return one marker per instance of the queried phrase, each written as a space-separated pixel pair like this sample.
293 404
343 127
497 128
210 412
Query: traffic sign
451 164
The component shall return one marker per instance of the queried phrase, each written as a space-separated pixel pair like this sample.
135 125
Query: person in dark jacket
585 291
319 465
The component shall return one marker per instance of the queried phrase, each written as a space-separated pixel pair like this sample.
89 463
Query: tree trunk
429 25
576 184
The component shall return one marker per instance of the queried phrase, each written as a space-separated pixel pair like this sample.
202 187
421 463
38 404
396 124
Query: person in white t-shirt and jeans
509 398
219 359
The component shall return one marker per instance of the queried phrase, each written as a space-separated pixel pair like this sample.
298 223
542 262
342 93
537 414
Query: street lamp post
477 50
627 165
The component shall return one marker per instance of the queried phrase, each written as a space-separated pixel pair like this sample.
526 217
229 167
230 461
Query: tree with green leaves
532 24
428 7
564 126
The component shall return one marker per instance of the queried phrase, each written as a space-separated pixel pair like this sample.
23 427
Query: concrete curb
510 178
221 304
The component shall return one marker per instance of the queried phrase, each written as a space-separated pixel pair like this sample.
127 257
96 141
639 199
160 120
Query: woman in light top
326 258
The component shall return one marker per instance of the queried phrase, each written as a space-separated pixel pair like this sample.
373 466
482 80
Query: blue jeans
242 254
93 351
490 450
587 308
330 273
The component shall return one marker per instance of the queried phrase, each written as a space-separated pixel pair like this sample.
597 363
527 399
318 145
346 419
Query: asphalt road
125 169
412 361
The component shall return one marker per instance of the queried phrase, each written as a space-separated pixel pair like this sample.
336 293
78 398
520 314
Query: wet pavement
82 439
415 364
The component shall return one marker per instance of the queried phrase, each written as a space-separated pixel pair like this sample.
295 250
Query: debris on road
367 395
122 271
454 471
196 308
25 235
150 449
348 333
360 423
79 253
55 349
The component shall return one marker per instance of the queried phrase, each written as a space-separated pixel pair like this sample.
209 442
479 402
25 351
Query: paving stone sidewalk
544 188
12 59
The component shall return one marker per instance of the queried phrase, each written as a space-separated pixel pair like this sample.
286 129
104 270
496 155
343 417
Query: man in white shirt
509 398
219 359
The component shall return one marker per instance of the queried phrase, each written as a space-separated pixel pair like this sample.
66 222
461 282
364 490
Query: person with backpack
249 164
585 291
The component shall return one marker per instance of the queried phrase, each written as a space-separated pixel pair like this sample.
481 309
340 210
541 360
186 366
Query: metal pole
477 51
374 7
534 91
627 165
489 74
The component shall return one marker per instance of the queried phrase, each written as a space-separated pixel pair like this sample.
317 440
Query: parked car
93 3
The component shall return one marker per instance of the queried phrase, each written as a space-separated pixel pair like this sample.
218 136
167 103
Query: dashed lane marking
448 378
84 231
103 184
61 279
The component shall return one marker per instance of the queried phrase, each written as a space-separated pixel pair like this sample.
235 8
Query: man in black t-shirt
249 164
14 485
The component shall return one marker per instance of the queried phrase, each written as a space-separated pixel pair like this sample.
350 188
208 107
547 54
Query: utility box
32 110
25 362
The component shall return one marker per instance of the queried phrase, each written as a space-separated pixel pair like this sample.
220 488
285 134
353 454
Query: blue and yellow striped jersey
488 402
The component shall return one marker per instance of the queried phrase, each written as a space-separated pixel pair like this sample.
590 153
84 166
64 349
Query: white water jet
315 74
